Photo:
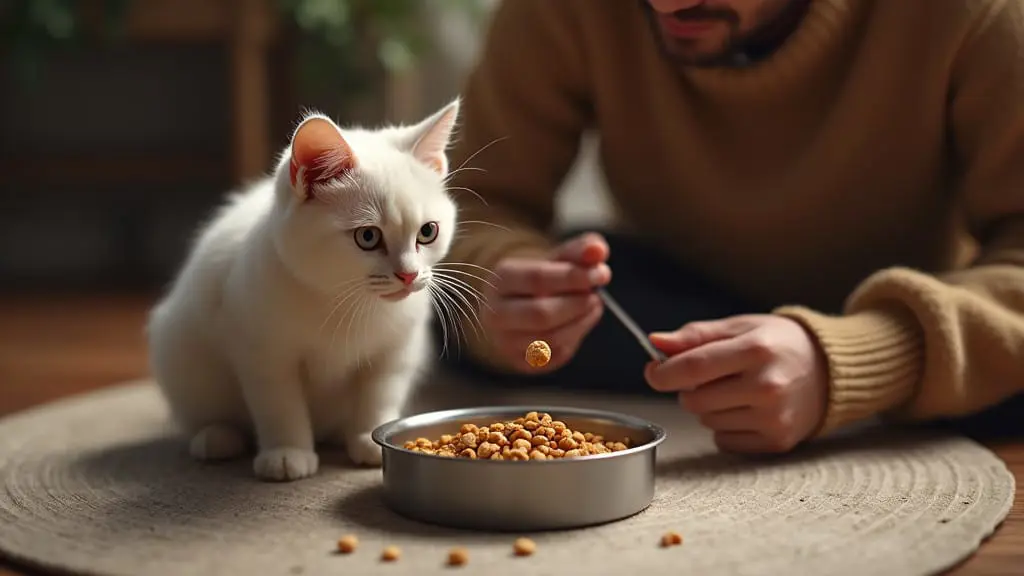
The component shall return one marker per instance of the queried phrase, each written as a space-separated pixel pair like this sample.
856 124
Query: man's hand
550 299
759 382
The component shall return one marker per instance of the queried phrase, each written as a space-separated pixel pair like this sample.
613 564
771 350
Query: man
798 178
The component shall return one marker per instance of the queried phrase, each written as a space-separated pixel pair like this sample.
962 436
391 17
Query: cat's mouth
397 295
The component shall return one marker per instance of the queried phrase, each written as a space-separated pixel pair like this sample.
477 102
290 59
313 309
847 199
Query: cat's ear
433 136
319 153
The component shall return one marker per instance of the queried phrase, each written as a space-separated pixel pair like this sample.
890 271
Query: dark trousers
658 294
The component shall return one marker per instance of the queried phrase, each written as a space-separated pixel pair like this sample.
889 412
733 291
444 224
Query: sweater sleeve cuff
875 359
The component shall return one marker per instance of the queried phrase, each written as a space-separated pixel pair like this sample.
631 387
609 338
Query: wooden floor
56 346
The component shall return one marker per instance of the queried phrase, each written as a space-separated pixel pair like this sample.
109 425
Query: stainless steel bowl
502 495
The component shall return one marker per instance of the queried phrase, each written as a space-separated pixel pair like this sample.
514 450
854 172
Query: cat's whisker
443 300
482 148
466 169
444 270
334 333
468 312
341 302
486 223
467 264
460 285
356 308
470 190
470 309
456 291
364 313
440 318
469 159
371 313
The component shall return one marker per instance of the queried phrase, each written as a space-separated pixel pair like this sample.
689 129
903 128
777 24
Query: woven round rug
98 484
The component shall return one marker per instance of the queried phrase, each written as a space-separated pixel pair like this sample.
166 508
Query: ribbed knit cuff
875 360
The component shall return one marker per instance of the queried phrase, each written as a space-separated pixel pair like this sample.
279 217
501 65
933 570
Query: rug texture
98 484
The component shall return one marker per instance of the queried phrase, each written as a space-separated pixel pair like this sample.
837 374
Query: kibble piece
468 440
539 440
671 539
347 544
524 547
538 354
537 455
524 434
522 444
468 453
390 554
458 556
486 449
517 454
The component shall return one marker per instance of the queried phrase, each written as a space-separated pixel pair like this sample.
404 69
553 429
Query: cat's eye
368 237
427 233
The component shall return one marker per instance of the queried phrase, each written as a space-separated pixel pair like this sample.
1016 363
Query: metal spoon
634 329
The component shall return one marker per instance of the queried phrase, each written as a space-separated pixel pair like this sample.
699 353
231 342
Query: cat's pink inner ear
320 152
430 148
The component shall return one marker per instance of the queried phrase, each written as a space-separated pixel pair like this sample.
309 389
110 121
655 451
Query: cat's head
366 212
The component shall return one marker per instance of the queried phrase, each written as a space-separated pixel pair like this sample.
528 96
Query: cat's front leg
379 394
280 414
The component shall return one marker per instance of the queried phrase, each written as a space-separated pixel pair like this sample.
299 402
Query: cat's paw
285 464
217 442
362 450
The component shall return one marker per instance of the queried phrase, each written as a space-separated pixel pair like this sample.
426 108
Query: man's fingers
564 340
728 393
706 363
741 442
541 314
697 334
524 277
753 442
586 250
734 420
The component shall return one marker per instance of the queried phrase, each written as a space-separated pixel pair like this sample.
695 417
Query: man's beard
677 50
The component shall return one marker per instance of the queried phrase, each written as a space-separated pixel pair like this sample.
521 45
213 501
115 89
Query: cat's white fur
275 329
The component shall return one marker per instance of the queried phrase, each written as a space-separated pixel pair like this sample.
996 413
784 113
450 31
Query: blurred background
124 122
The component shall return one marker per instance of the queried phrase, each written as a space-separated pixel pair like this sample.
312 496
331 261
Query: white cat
302 313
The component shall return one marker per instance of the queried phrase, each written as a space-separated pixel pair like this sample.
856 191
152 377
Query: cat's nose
406 277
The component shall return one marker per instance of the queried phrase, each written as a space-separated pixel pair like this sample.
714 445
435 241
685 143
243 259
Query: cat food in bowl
471 468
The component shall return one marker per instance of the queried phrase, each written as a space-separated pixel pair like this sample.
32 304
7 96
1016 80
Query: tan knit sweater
840 170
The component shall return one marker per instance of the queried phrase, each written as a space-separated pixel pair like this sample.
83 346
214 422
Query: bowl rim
381 433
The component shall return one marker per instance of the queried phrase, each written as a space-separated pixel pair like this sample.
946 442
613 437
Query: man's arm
524 109
916 346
